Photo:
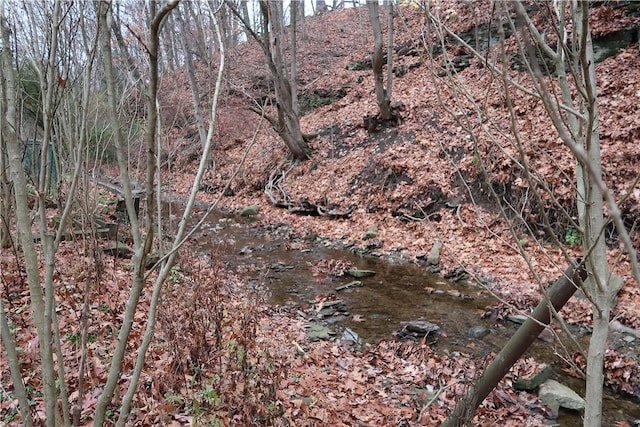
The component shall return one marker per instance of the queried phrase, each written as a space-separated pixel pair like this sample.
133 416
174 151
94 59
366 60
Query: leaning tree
560 68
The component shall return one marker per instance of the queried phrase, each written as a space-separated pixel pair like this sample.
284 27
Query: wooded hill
511 146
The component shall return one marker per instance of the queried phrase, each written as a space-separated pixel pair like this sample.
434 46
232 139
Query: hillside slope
425 167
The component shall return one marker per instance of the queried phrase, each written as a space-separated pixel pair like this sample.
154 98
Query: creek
398 292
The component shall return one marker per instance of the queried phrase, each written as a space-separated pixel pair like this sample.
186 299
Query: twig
433 399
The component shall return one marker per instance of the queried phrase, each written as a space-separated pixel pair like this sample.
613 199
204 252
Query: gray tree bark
6 205
383 95
8 99
141 248
39 315
580 134
191 72
591 218
294 58
287 122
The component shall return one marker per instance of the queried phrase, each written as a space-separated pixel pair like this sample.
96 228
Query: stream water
397 293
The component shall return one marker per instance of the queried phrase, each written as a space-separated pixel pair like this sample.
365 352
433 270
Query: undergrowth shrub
223 374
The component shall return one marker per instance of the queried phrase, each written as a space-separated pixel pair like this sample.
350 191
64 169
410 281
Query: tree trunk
5 185
302 18
244 11
295 105
580 134
179 239
8 106
573 111
23 219
122 46
592 222
389 48
193 82
139 254
288 121
19 390
287 124
382 97
556 296
321 6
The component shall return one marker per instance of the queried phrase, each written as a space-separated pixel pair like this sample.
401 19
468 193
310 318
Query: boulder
252 210
434 254
533 381
555 396
517 318
423 328
478 332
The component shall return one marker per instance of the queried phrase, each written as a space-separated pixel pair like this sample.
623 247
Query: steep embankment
420 182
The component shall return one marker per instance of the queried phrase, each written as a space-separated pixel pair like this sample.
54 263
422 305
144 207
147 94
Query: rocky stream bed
347 295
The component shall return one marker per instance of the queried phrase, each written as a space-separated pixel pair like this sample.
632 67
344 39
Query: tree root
279 198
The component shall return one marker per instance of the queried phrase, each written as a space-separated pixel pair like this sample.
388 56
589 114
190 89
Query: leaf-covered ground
426 166
418 168
221 353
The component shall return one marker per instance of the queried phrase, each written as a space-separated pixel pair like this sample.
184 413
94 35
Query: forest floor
419 183
416 184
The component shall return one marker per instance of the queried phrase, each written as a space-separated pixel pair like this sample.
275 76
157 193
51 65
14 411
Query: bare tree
9 138
116 27
68 112
142 244
568 95
295 105
287 122
383 95
6 205
298 10
42 301
191 72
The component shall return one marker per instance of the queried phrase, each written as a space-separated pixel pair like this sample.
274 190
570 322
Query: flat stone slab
422 327
361 273
316 332
555 396
354 284
517 318
533 381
